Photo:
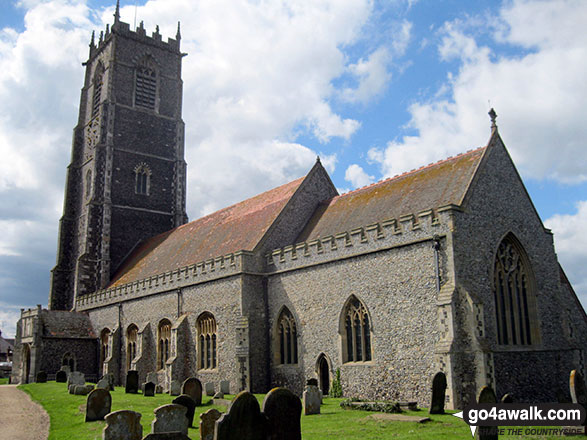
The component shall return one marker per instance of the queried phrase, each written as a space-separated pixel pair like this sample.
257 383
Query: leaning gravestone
208 423
438 393
312 400
283 410
193 388
123 425
243 421
152 377
61 376
219 395
225 386
487 395
148 389
175 388
99 404
104 384
507 398
210 389
188 402
132 382
76 378
41 377
170 419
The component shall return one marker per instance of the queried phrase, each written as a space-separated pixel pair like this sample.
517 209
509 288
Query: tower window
142 179
145 87
287 338
97 97
88 183
355 332
164 341
207 341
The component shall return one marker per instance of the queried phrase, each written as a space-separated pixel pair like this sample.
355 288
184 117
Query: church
447 268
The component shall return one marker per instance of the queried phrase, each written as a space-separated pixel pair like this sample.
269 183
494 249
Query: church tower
127 176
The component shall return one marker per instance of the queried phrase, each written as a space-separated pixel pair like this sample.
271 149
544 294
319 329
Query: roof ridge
412 171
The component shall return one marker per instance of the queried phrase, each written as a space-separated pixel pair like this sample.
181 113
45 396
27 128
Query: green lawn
67 413
3 380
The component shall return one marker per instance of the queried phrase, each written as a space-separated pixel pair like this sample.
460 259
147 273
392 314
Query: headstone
175 388
81 390
70 388
219 395
210 389
123 425
99 404
507 398
152 377
110 378
312 381
283 410
41 377
243 421
208 423
158 389
132 382
61 376
148 389
167 436
438 393
76 378
103 383
311 398
578 390
225 386
193 388
188 402
487 395
170 418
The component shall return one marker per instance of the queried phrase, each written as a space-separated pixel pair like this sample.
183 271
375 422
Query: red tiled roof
432 186
238 227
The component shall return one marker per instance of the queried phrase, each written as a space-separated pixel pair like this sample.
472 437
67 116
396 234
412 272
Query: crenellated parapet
394 232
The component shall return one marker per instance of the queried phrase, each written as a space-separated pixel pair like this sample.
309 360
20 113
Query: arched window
98 82
287 338
355 332
88 183
68 360
142 179
104 344
513 290
206 341
163 343
146 84
131 344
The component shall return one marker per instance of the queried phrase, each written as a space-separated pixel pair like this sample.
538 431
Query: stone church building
445 268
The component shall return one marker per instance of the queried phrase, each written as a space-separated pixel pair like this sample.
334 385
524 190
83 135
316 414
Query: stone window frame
207 341
142 179
98 85
88 183
69 360
163 343
105 344
132 332
514 295
286 338
146 83
355 321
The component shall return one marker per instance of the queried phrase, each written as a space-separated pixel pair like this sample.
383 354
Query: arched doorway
68 361
323 374
26 362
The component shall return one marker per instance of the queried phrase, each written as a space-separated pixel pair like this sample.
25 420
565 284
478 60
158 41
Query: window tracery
356 332
207 341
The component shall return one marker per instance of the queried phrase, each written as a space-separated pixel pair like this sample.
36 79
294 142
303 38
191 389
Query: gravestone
132 382
312 400
152 377
225 386
193 388
312 381
487 395
578 390
219 395
208 423
61 376
99 404
188 402
243 421
170 419
103 383
158 389
175 388
41 377
123 425
507 398
283 410
81 390
109 377
70 388
148 389
76 378
210 389
438 394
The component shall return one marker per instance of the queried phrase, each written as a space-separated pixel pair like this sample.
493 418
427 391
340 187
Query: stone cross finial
493 117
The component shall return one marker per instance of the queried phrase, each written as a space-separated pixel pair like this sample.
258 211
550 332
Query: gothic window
207 341
97 97
68 360
104 345
514 296
287 338
355 332
142 179
146 84
163 343
131 344
88 183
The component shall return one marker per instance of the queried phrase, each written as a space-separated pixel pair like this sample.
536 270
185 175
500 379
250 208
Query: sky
375 88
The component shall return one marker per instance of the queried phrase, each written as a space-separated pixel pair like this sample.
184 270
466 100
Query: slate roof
65 324
5 344
238 227
435 185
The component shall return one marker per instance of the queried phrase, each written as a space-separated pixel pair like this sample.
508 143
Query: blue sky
373 87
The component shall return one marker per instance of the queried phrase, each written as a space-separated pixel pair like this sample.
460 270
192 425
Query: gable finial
493 117
117 12
178 35
92 44
318 159
101 37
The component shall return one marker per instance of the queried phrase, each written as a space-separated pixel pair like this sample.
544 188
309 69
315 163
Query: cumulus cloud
539 95
357 176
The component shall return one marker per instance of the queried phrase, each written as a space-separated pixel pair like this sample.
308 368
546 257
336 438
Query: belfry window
97 96
131 344
287 338
513 290
88 183
146 85
142 179
163 343
207 344
355 332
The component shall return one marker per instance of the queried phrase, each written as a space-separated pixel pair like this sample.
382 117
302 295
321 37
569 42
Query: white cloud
357 176
571 246
539 95
373 76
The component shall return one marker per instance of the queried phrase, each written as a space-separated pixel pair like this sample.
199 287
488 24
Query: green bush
336 390
385 407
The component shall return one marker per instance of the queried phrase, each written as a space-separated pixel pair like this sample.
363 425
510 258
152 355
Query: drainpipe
178 303
436 247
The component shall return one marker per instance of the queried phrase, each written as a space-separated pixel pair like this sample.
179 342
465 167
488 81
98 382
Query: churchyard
67 413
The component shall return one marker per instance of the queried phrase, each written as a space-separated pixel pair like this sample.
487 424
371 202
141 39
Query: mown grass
3 381
67 413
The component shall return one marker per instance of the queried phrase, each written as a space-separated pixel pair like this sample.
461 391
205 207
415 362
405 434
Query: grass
3 381
67 413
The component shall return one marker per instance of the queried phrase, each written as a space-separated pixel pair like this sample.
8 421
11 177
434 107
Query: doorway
26 360
324 374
